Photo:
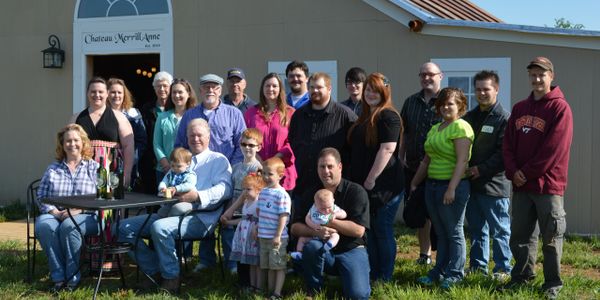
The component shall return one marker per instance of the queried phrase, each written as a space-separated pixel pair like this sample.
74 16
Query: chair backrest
32 209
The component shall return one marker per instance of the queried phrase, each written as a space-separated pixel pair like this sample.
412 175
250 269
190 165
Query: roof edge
512 27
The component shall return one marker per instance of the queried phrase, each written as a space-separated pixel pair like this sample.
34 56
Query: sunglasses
248 145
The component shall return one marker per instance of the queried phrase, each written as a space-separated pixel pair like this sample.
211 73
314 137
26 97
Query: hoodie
537 141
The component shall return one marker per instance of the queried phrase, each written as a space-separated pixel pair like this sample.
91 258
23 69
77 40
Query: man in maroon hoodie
536 149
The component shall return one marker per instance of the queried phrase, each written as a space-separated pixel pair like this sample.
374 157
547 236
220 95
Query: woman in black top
106 127
374 164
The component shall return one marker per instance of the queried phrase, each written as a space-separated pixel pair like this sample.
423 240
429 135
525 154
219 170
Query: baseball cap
211 78
541 62
236 72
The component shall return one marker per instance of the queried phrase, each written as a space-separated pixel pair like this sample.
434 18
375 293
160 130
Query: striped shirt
439 146
59 181
417 118
272 202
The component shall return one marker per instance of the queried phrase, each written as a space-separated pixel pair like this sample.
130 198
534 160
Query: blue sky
543 12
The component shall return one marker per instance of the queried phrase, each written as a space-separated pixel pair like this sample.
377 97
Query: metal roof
455 10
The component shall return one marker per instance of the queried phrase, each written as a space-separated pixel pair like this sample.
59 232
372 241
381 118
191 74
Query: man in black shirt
418 115
349 258
487 210
319 124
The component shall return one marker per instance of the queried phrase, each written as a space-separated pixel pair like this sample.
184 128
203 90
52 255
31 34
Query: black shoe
424 259
56 287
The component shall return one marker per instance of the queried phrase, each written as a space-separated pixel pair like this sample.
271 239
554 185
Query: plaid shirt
59 181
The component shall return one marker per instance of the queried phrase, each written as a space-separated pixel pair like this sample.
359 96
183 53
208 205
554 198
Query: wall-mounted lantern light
53 57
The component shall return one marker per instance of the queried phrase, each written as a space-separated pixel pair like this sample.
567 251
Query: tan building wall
212 36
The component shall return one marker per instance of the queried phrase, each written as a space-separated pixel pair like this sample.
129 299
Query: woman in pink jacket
272 117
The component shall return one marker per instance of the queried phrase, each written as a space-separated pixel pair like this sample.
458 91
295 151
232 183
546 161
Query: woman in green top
447 153
181 98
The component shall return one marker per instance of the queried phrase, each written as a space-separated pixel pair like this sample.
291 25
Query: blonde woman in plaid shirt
73 173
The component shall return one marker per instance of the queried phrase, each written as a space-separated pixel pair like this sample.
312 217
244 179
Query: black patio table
90 203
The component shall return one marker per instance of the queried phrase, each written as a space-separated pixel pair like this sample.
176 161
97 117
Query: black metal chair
32 213
213 234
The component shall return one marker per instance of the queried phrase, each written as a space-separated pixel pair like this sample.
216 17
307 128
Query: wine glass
100 182
114 183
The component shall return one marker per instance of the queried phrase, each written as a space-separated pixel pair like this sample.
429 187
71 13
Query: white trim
403 12
155 36
502 65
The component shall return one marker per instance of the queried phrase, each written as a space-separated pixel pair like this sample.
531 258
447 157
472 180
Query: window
459 73
116 8
325 66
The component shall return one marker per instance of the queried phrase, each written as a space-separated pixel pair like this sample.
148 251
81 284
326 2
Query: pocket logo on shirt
487 129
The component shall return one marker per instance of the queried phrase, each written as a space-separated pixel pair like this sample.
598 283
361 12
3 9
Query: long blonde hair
86 150
128 100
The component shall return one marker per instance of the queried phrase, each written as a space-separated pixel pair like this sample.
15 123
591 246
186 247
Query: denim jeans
163 232
352 266
62 243
207 254
381 244
488 216
448 220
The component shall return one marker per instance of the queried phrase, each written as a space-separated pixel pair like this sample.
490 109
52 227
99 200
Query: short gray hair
198 122
162 76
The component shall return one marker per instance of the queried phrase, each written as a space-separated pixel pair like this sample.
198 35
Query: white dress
244 248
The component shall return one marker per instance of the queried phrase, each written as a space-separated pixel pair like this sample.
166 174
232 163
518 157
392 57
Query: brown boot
170 285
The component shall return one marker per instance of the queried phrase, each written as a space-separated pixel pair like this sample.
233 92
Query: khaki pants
533 214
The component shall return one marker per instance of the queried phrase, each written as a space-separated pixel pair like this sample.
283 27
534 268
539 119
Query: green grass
581 257
13 211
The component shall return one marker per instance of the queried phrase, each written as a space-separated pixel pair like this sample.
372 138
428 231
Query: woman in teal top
181 98
447 153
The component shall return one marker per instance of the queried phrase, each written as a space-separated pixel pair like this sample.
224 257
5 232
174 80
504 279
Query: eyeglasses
248 145
350 83
425 75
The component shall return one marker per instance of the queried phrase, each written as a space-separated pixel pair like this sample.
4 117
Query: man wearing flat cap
226 126
536 148
236 85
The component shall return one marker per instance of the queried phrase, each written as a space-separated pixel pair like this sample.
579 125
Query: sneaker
552 293
513 284
275 297
199 267
425 280
501 276
447 283
296 255
56 287
424 259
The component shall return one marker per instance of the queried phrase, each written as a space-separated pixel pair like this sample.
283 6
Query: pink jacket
275 140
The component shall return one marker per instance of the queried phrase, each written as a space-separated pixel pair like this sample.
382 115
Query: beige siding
211 36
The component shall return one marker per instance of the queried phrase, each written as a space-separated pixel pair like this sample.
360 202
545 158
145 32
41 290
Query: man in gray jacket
487 211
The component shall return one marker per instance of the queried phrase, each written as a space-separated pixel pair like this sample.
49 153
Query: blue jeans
448 222
163 232
62 243
352 266
207 254
488 216
381 244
